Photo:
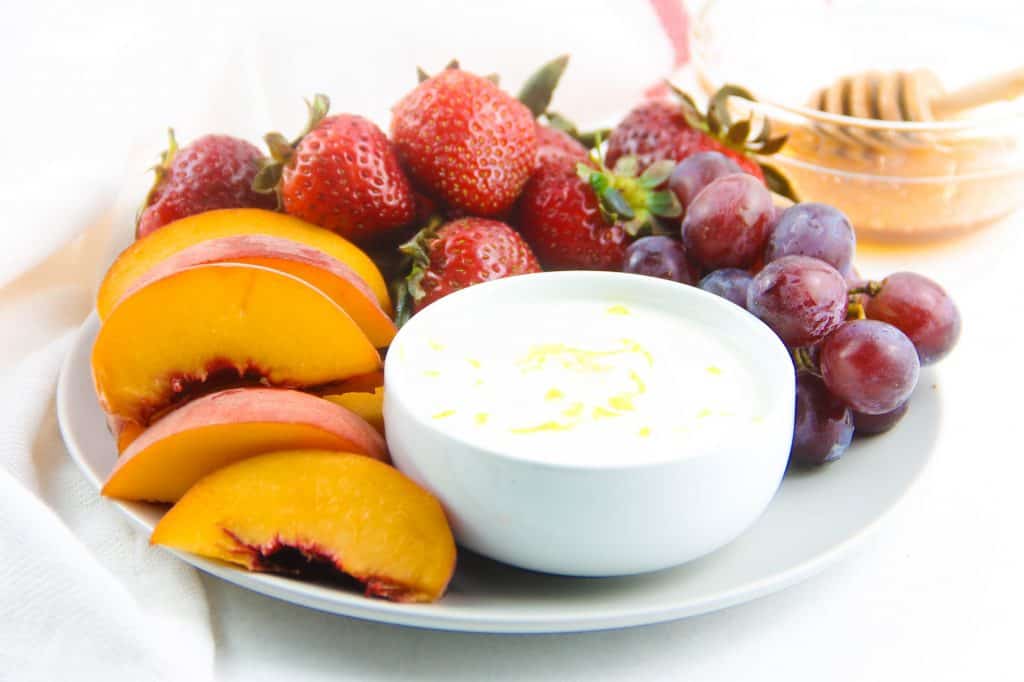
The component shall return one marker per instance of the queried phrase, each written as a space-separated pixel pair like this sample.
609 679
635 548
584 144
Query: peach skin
123 430
209 326
341 284
222 428
145 253
318 509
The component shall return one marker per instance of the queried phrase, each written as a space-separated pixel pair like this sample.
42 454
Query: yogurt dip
590 423
596 381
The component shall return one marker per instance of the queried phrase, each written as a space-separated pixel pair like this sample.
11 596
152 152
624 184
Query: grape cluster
858 345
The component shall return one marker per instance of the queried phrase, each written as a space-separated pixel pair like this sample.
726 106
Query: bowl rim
769 108
756 333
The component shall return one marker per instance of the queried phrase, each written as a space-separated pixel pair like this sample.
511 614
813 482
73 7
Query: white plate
815 518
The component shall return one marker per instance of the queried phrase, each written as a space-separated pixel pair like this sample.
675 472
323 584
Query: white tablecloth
936 594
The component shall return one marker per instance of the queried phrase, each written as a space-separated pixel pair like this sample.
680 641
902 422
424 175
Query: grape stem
871 288
804 361
855 311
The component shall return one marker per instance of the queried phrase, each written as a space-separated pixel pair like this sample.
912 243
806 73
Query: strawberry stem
268 177
738 135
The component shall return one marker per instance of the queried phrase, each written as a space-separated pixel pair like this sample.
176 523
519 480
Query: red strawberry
577 216
342 174
560 216
467 142
214 171
554 141
462 253
653 131
657 130
709 144
660 129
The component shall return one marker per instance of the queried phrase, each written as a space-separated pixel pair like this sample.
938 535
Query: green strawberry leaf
318 109
421 75
718 107
453 64
280 148
159 171
494 78
538 89
627 167
592 138
778 183
773 145
657 173
689 108
615 203
167 155
664 204
738 133
404 301
588 139
268 176
417 251
635 226
583 171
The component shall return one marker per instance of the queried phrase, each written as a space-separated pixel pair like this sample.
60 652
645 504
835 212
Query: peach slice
208 326
326 273
124 431
364 383
145 253
368 405
315 509
219 429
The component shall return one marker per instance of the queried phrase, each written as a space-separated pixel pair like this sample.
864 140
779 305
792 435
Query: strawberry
342 174
214 171
554 141
653 131
660 129
462 253
582 216
465 141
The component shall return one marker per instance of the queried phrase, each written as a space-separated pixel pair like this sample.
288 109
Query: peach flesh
367 404
147 252
210 327
315 267
364 517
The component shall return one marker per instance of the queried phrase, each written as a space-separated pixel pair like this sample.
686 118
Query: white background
936 594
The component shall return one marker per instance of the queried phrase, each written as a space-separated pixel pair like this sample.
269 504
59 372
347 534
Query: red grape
726 224
815 230
729 283
872 366
919 308
869 424
697 171
824 424
802 299
660 256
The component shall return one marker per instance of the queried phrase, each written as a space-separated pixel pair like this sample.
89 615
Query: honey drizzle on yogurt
587 368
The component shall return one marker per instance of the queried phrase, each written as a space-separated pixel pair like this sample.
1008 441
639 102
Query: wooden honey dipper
910 96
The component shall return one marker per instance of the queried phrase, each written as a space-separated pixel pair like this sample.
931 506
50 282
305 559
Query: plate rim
460 619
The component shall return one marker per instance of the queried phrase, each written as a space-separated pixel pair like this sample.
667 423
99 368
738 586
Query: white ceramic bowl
597 519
